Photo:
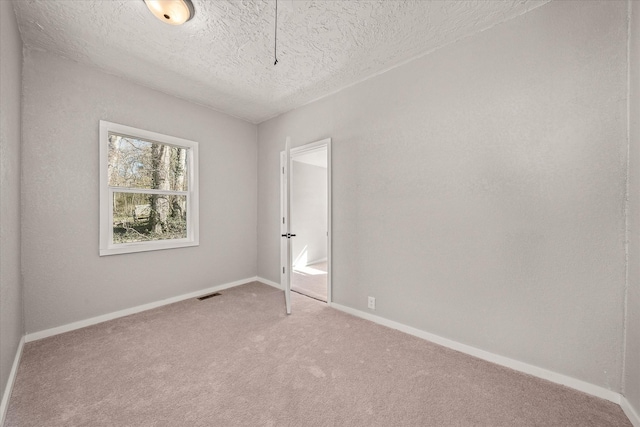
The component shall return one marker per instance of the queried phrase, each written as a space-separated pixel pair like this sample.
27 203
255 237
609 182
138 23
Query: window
148 190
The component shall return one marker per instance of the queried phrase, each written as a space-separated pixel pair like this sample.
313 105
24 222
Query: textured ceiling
223 57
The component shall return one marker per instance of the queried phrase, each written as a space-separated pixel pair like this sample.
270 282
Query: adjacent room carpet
238 360
311 280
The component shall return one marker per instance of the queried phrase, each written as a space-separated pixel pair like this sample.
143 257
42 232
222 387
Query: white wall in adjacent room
479 191
309 213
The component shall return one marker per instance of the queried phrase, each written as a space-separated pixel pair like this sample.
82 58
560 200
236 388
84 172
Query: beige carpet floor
311 280
238 360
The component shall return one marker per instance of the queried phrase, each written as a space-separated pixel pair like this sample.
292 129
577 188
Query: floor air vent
204 297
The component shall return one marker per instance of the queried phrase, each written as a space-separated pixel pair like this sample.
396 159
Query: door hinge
283 170
282 270
283 220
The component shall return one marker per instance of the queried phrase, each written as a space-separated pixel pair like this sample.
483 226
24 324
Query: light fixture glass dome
174 12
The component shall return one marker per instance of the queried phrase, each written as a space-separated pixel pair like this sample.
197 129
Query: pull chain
275 40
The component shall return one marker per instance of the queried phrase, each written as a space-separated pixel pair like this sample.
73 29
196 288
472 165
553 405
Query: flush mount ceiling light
174 12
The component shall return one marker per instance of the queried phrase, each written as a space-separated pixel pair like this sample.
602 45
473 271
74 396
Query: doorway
309 219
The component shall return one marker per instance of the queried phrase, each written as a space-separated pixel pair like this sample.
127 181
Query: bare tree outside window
136 163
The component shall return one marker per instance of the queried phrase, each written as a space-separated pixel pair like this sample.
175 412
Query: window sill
127 248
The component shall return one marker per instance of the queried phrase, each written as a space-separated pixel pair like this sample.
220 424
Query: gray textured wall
11 319
64 278
479 191
632 359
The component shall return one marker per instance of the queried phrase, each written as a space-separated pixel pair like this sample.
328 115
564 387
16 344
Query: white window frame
107 247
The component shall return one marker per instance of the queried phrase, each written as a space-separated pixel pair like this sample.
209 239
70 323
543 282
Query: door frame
285 185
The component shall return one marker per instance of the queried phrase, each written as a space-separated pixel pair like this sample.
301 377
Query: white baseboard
121 313
269 282
4 404
631 413
555 377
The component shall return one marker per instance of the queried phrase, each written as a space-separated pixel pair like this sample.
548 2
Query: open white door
285 226
291 208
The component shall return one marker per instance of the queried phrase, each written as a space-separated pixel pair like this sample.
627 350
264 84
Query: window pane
136 163
146 217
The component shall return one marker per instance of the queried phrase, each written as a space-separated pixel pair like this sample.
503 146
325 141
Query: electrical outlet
371 303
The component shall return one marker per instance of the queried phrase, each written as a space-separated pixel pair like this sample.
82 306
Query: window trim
107 247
